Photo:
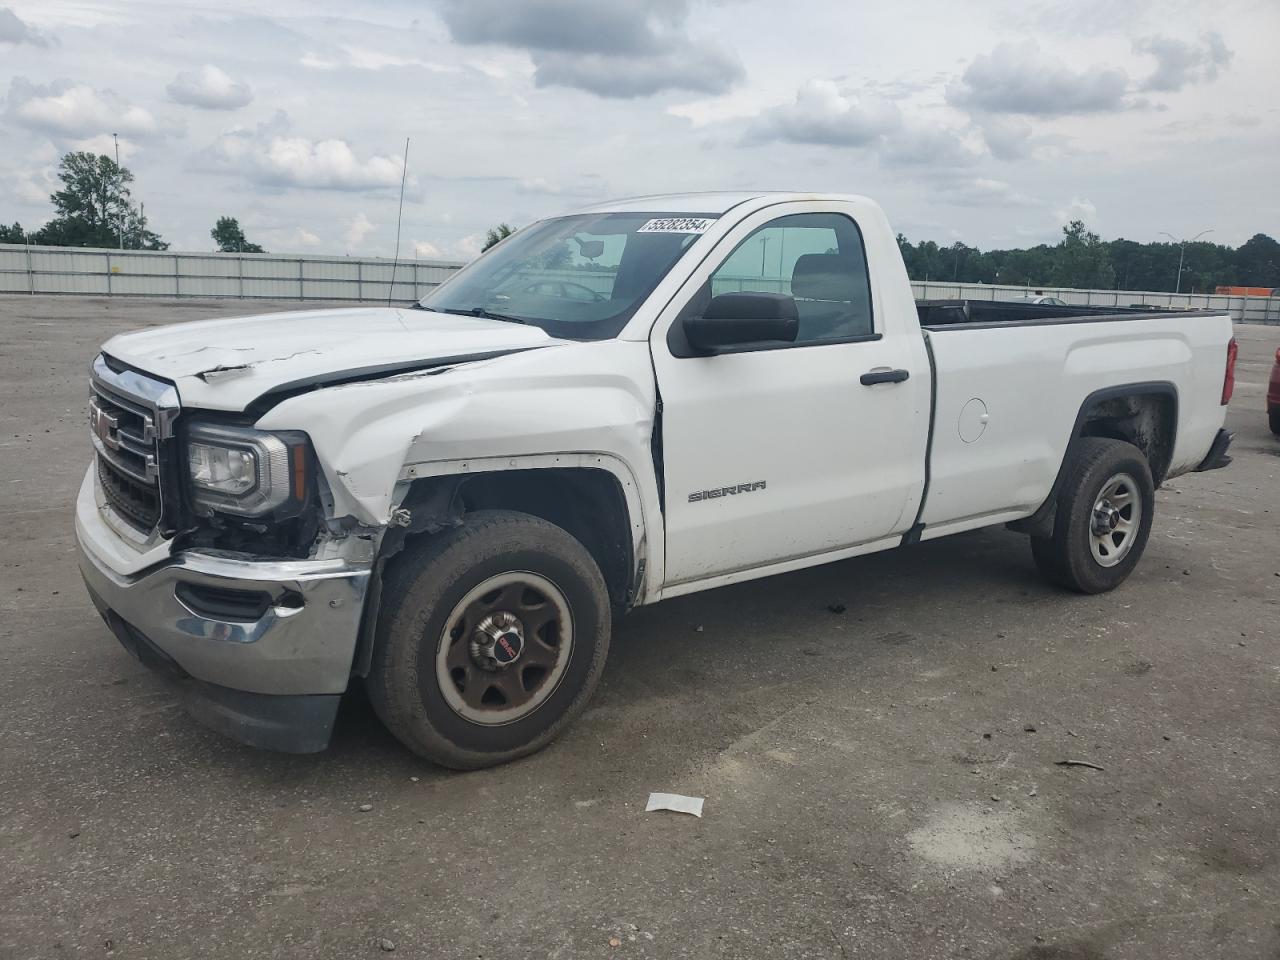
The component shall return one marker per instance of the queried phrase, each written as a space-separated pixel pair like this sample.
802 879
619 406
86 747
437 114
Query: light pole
1182 252
119 223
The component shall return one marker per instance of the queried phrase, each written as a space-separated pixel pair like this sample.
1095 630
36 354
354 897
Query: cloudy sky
991 122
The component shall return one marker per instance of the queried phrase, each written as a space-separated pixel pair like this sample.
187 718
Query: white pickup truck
641 400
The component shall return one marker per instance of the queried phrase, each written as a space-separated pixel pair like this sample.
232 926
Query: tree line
1082 259
95 208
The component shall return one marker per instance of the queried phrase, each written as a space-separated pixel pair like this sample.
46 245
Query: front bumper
262 648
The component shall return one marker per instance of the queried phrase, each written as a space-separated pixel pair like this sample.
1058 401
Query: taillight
1229 379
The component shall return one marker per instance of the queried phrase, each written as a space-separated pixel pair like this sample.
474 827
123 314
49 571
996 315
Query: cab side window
818 259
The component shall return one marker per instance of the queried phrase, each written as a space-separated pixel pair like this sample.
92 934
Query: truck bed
996 313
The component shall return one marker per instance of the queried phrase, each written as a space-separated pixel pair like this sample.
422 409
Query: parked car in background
1273 396
1040 299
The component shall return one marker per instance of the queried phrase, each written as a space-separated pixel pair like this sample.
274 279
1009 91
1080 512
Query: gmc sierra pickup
644 399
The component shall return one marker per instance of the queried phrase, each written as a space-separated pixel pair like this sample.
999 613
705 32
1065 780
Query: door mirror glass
733 319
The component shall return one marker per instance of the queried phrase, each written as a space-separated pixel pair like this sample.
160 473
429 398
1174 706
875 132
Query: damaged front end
210 549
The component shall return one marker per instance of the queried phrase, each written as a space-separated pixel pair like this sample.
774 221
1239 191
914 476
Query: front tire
1273 416
1104 513
491 638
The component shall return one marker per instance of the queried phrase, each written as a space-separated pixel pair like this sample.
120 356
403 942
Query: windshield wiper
480 312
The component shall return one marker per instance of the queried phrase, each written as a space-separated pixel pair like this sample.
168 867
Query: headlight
244 471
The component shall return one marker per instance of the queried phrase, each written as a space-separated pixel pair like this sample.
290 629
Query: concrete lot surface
881 781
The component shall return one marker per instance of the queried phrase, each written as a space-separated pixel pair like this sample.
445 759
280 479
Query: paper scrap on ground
676 802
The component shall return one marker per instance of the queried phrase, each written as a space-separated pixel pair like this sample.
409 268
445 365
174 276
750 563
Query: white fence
144 273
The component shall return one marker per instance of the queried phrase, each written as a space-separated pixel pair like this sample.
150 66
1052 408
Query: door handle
883 375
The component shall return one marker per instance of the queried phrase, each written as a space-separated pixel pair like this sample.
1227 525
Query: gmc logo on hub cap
504 651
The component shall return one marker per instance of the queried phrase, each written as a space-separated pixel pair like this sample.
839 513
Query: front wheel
1105 507
490 640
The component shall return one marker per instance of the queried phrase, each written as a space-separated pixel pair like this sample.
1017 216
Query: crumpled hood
227 364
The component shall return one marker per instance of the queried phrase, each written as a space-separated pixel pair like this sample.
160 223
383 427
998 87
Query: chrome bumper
299 641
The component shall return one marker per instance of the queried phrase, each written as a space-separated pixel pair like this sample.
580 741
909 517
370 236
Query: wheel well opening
1147 420
586 502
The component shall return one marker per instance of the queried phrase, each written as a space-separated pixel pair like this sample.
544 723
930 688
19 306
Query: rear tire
490 640
1273 416
1103 519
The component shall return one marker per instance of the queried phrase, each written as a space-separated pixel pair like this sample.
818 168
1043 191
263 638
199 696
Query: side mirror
733 319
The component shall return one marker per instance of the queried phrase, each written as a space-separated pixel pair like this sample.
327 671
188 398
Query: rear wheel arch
1144 414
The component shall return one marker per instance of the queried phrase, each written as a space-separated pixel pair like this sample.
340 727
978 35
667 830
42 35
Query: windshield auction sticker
678 225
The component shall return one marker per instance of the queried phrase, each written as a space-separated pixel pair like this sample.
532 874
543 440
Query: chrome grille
131 420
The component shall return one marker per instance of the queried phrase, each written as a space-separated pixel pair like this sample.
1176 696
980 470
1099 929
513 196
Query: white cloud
365 58
286 240
1023 78
621 49
105 144
983 192
1179 63
266 155
1078 209
425 250
469 247
823 115
1007 137
14 30
209 88
359 228
35 186
314 61
76 110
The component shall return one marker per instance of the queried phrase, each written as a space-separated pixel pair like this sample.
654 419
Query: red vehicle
1273 396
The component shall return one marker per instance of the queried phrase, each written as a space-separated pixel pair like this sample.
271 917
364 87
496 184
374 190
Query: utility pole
1182 252
120 222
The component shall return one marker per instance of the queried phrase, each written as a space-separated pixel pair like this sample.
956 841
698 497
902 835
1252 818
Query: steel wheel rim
1115 519
478 681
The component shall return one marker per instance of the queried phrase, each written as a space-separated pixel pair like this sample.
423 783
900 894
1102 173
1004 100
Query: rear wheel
490 640
1103 519
1274 417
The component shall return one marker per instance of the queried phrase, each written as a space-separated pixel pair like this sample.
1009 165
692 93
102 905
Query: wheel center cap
498 641
508 647
1105 519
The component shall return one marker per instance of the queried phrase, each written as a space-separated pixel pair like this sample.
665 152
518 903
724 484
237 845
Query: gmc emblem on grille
105 426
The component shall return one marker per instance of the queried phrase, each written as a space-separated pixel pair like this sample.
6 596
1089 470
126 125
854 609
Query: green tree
496 235
1082 260
1257 262
95 208
13 234
230 238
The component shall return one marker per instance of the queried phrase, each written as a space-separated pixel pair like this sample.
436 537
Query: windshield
576 277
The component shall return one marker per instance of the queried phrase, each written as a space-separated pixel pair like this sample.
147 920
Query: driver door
778 452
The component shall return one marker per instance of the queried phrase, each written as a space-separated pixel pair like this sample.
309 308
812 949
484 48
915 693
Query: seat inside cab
832 296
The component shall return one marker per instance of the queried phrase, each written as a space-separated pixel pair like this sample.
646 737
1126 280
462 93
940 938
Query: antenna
404 172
